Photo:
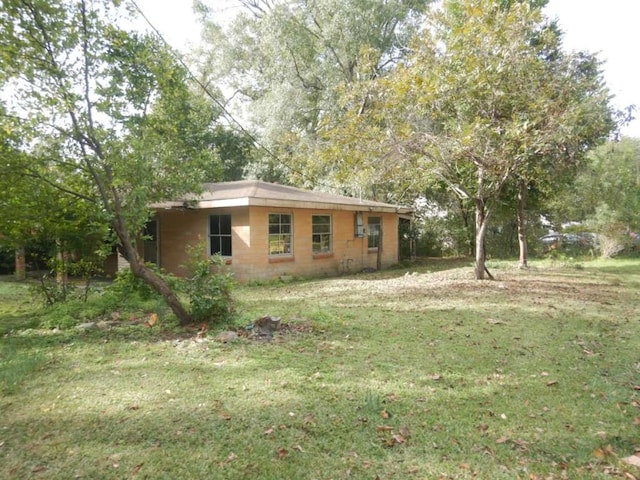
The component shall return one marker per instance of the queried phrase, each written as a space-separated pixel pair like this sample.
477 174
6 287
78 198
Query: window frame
374 224
220 235
322 235
280 235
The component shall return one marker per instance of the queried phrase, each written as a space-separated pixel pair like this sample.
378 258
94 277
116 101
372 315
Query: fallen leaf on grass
603 452
269 431
282 453
493 321
391 438
399 439
384 414
299 448
137 468
632 460
517 442
436 377
552 383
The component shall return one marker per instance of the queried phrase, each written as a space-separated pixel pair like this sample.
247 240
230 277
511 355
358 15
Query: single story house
267 231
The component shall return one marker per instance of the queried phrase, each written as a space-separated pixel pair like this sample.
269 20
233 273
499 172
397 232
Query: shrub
208 287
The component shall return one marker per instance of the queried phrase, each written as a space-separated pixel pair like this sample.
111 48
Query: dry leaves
282 453
633 460
390 437
521 444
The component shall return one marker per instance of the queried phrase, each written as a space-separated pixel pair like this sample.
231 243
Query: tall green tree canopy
286 60
485 98
108 113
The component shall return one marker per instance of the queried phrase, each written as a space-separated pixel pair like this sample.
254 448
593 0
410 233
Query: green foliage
605 195
127 285
108 121
51 291
487 100
289 60
209 287
7 258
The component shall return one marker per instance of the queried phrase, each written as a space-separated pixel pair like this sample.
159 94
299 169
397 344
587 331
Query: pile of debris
261 329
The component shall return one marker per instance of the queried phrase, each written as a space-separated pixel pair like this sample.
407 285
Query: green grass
425 375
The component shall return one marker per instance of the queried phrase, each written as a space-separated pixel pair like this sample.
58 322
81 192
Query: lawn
422 373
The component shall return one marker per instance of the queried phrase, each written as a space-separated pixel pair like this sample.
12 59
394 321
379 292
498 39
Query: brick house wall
250 258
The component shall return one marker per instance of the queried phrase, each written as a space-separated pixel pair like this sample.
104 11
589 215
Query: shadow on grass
325 429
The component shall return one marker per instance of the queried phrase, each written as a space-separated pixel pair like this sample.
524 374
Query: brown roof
258 193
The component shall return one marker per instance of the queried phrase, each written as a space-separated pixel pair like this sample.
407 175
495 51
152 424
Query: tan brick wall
251 260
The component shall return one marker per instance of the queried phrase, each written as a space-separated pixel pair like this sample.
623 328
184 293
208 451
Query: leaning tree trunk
521 220
151 278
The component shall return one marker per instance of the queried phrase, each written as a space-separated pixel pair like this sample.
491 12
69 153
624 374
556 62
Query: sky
609 29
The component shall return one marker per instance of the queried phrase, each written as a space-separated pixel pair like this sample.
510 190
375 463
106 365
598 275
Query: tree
110 114
33 211
478 105
605 195
288 60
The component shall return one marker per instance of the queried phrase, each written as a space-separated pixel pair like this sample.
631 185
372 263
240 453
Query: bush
209 288
50 291
127 285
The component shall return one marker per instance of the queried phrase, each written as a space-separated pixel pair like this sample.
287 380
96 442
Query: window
150 242
220 235
373 232
280 234
321 233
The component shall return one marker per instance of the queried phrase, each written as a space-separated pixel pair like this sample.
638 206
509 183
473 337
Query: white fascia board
225 203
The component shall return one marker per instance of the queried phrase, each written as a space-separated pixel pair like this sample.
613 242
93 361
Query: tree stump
264 327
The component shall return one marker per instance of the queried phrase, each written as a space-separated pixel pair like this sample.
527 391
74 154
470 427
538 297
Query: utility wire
222 107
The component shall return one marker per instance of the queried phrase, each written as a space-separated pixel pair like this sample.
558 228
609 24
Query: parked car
557 241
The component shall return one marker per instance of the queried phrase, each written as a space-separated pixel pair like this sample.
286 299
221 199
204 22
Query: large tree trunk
482 216
21 263
140 270
522 227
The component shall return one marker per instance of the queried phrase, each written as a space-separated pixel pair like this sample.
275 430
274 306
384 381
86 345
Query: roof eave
278 203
